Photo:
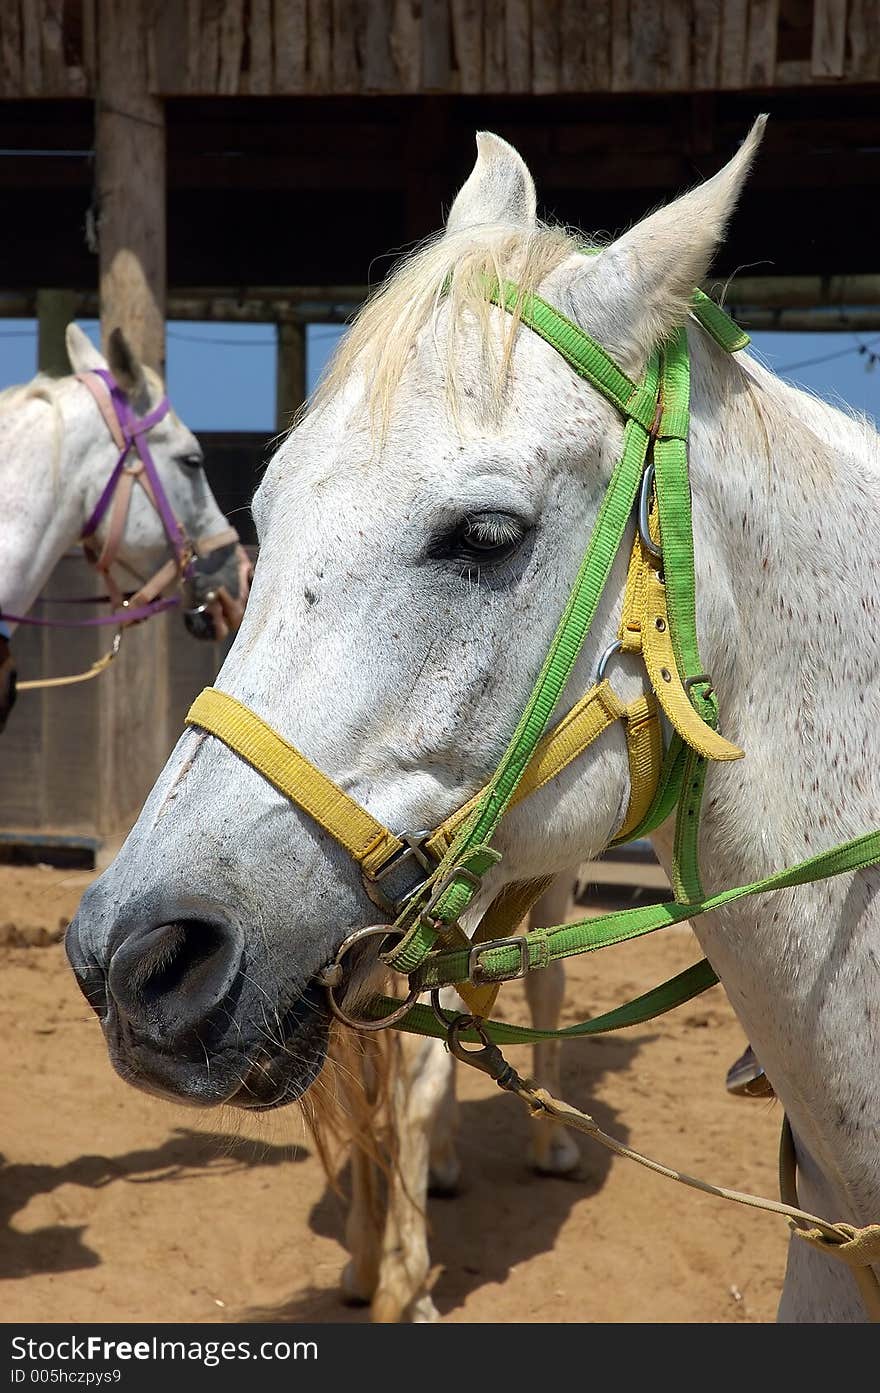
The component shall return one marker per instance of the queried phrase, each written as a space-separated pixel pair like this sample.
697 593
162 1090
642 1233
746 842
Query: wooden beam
130 172
55 310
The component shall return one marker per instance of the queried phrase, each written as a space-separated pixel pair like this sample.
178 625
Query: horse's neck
786 590
45 451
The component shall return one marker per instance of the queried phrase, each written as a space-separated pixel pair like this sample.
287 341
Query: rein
129 433
426 880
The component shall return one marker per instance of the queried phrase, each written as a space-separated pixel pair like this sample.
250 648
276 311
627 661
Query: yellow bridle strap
365 839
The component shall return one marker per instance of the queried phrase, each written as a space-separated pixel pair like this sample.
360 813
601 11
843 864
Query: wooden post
55 310
290 376
134 735
130 167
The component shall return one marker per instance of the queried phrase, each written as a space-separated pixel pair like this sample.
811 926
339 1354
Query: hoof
555 1153
746 1078
423 1311
354 1288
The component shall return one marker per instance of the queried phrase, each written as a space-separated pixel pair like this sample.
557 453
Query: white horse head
420 533
420 530
56 455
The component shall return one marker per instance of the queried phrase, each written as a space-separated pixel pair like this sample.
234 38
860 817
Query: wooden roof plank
761 48
467 38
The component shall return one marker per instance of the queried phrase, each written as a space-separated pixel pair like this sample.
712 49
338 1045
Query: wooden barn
261 160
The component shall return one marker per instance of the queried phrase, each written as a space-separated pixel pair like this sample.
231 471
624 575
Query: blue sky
222 376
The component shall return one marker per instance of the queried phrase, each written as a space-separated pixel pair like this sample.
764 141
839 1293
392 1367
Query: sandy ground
121 1207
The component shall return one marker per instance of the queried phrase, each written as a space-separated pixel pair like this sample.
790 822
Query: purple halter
129 432
134 430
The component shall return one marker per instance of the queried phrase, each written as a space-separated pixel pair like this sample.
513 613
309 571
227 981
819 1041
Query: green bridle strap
422 1020
543 946
471 845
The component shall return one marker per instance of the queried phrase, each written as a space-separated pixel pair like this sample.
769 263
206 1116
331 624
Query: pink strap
101 392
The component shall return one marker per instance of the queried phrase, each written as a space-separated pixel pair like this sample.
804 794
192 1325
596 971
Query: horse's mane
448 273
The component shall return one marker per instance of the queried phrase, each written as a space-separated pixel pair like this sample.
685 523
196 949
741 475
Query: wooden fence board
32 67
10 49
494 47
231 45
829 38
380 74
436 46
597 46
621 71
406 43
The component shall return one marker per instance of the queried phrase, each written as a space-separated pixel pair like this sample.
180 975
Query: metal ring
645 537
331 977
615 647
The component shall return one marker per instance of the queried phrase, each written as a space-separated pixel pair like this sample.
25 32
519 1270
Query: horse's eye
195 460
482 540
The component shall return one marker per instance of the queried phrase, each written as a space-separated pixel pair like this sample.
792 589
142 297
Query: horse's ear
644 281
499 189
126 368
82 353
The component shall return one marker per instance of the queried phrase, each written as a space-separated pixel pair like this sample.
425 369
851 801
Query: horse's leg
419 1090
444 1167
554 1149
363 1227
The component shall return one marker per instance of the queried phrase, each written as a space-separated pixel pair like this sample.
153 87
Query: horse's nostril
167 979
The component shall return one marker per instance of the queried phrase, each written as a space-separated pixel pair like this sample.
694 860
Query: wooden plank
10 50
320 45
289 25
706 50
829 38
734 35
209 46
231 46
621 71
54 83
597 46
761 50
518 45
467 38
290 373
260 73
436 46
678 21
494 47
345 67
864 40
31 49
545 47
648 56
170 46
406 43
573 45
379 72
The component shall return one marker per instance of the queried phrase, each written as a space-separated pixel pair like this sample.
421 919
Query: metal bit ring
332 976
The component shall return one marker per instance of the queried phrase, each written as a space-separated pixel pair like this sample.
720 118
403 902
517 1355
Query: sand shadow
60 1247
505 1214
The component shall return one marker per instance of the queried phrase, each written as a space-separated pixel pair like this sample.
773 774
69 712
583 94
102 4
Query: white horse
421 529
56 455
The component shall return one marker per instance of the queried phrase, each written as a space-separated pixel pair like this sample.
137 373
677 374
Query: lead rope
857 1247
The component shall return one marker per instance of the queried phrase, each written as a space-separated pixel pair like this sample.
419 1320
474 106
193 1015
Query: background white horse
56 455
420 531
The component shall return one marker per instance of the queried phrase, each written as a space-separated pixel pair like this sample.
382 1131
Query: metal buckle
476 971
702 679
645 537
412 850
615 647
